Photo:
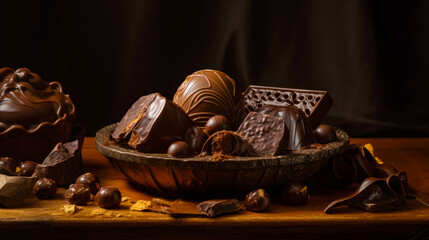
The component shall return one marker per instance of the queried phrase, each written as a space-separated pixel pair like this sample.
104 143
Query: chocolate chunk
63 164
315 104
15 189
152 124
225 143
45 188
213 208
179 149
257 201
195 137
217 123
298 128
207 93
90 180
295 194
325 134
263 133
78 194
26 168
108 197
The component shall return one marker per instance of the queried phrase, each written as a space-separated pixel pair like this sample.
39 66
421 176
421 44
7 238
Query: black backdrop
371 56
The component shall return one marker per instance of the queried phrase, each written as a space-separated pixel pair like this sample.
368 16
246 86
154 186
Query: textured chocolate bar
314 103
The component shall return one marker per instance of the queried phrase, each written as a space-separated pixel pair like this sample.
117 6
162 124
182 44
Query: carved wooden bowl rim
306 156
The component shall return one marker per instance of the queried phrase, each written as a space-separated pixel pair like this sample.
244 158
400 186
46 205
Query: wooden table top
45 218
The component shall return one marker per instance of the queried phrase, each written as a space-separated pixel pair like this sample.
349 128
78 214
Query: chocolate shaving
63 164
15 189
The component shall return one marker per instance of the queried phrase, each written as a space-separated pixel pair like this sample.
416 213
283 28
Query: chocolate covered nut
217 123
9 164
26 168
108 197
179 149
195 137
91 181
257 201
78 194
295 194
325 134
45 188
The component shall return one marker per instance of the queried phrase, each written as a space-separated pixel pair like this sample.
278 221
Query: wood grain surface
44 219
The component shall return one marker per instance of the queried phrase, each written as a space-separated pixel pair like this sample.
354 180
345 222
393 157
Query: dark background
371 56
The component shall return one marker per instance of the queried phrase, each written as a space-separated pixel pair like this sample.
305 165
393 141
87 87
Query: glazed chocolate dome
34 115
207 93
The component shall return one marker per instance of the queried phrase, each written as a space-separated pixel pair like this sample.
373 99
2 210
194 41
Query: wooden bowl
199 177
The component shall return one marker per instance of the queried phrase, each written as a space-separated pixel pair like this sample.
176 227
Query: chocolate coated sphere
179 149
26 168
8 163
90 180
295 194
257 201
78 194
217 123
108 197
45 188
195 137
325 134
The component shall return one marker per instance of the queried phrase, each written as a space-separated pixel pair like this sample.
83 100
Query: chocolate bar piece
315 104
263 133
213 208
63 164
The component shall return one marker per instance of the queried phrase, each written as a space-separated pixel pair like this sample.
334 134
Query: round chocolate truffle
207 93
257 201
179 149
26 168
195 137
45 188
217 123
325 134
34 115
108 197
295 194
90 180
78 194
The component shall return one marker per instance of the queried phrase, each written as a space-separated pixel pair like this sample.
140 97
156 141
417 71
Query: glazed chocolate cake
34 115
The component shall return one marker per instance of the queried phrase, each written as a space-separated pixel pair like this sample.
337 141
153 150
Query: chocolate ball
295 194
78 194
108 197
179 149
325 134
257 201
217 123
8 163
195 137
45 188
90 180
26 168
207 93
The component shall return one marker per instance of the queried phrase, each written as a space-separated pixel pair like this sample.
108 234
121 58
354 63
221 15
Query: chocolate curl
386 191
225 143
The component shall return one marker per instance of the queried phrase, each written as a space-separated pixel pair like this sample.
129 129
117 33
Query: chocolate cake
34 115
207 93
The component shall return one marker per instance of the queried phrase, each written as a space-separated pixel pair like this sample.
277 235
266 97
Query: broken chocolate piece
8 166
225 143
298 128
315 104
63 164
213 208
263 133
15 189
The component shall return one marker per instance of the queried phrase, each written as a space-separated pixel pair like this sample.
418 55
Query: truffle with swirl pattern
207 93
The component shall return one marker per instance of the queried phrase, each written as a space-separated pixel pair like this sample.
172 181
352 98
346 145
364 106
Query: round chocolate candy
78 194
195 137
8 163
325 134
257 201
45 188
217 123
295 194
108 197
179 149
90 180
26 168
